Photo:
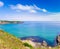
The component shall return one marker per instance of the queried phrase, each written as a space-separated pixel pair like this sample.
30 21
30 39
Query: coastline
37 39
10 22
28 43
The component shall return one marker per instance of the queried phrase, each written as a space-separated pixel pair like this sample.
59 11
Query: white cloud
31 17
44 10
52 17
1 3
28 8
33 11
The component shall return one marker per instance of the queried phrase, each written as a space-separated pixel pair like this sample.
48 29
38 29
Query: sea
48 30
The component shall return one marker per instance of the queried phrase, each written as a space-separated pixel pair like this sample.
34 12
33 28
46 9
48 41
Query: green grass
8 41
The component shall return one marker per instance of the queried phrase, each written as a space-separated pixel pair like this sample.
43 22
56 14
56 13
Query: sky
30 10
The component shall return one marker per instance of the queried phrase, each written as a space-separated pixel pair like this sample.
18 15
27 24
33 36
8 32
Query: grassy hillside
8 41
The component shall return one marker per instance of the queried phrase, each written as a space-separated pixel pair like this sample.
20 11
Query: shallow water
47 30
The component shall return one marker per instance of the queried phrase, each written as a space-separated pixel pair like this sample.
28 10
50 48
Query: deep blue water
47 30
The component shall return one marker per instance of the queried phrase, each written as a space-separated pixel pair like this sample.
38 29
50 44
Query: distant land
10 22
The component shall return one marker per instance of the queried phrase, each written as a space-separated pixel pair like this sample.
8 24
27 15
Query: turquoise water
47 30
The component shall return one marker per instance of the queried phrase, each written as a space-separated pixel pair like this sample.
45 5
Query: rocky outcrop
38 39
58 40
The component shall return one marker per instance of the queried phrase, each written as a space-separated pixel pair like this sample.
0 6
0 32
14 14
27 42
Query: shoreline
37 39
10 22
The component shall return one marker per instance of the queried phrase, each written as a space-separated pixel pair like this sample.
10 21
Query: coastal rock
35 45
29 42
58 40
38 39
44 43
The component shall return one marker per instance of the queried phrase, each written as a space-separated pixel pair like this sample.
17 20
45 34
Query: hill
8 41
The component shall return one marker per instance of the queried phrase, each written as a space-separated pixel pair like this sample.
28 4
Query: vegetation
8 41
28 45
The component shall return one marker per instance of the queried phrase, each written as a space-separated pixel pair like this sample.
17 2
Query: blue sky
30 10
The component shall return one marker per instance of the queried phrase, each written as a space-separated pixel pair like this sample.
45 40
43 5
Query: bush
27 45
